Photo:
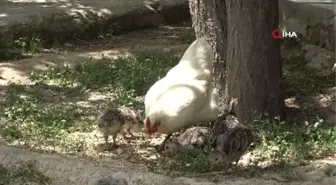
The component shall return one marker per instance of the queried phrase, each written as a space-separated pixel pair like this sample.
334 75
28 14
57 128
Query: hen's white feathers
196 62
185 95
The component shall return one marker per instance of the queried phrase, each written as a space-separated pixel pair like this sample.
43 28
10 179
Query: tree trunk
252 59
209 21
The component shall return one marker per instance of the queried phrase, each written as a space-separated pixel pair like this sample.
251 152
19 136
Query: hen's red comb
148 126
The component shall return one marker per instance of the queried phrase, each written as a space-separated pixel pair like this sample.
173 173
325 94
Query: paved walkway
12 11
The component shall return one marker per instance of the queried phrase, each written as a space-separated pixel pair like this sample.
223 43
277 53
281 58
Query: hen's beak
155 128
147 127
152 130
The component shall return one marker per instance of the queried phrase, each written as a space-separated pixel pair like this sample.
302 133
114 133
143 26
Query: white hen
185 96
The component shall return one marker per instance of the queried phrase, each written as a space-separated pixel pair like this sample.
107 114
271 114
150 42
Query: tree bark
248 67
209 21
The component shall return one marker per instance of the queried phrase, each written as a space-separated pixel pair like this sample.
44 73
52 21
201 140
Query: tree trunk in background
252 59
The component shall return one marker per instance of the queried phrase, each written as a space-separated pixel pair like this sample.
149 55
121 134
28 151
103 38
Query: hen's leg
161 146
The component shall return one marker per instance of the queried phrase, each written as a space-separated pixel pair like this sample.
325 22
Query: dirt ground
165 38
89 167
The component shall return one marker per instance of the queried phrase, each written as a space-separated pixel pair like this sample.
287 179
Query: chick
172 146
195 137
218 158
119 120
231 140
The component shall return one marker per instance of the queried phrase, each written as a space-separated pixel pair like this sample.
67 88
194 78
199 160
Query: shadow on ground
307 90
62 21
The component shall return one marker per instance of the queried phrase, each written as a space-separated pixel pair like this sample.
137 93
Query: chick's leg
161 146
130 133
228 166
114 140
106 139
237 162
236 165
106 142
126 138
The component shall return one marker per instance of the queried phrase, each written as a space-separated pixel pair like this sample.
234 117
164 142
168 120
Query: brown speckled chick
231 140
119 120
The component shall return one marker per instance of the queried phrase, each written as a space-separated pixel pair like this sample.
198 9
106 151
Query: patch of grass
299 80
188 35
22 173
303 81
135 74
287 143
186 161
19 48
32 119
191 161
34 122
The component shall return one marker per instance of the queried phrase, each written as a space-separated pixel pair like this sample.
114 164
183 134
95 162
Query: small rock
119 151
314 172
334 68
331 118
312 47
274 176
329 113
315 175
111 181
332 172
320 60
328 169
332 106
317 57
151 179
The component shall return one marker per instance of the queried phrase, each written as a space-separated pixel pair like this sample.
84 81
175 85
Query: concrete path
55 22
314 19
12 11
